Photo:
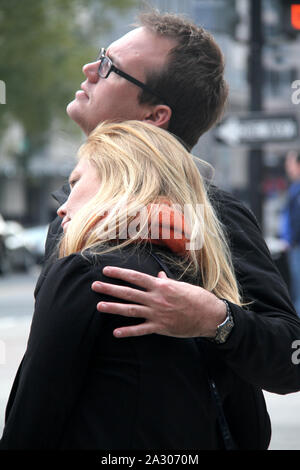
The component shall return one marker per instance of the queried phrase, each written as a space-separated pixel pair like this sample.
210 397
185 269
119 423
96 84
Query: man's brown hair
192 82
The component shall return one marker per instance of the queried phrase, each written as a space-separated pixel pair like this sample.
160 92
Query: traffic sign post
256 74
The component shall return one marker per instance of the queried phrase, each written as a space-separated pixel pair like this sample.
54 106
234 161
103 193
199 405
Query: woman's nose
91 71
61 211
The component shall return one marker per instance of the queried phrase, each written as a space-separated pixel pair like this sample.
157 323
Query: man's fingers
138 330
162 275
126 310
121 292
129 275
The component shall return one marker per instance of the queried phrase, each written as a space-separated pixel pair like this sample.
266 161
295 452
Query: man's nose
90 70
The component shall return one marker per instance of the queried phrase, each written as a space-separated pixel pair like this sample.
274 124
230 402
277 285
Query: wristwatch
225 328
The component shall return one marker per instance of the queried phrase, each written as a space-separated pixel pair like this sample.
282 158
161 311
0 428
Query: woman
138 201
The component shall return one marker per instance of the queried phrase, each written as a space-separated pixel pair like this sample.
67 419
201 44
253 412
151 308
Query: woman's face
84 183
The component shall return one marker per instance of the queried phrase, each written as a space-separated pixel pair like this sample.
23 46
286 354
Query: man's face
138 52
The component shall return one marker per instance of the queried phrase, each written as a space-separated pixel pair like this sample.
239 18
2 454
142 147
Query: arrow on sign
257 129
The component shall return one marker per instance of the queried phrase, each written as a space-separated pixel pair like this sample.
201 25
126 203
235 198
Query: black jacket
78 387
257 355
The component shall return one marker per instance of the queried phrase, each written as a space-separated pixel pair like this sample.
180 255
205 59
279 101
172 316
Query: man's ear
159 115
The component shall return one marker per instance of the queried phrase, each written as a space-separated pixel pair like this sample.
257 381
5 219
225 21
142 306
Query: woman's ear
159 115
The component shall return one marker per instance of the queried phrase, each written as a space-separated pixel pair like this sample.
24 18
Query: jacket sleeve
260 347
63 333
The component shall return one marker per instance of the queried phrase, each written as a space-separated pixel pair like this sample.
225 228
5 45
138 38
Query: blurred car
34 239
20 248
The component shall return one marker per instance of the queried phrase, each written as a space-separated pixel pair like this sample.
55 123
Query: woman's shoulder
91 264
77 271
134 256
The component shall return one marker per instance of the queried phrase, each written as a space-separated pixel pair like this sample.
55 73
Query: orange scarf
168 228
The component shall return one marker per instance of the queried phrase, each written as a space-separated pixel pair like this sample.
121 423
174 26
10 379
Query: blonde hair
139 165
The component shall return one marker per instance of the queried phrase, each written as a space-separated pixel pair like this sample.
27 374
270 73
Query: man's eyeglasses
106 67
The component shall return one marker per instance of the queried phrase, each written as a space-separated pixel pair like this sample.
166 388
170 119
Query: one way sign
254 129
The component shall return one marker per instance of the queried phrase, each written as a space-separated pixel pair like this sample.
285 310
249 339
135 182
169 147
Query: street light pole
255 158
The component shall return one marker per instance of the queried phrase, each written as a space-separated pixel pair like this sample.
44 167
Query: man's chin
74 112
76 115
71 108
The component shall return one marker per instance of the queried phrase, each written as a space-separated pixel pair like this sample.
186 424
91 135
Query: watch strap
225 328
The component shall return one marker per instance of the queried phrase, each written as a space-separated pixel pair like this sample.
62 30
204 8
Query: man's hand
169 307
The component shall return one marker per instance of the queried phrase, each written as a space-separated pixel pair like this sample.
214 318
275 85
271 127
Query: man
170 73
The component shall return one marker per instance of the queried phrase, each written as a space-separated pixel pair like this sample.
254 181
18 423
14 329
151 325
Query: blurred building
25 196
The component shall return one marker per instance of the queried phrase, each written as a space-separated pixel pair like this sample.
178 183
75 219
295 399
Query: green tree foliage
43 45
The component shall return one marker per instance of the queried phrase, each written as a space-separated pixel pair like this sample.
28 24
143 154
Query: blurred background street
45 46
15 318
